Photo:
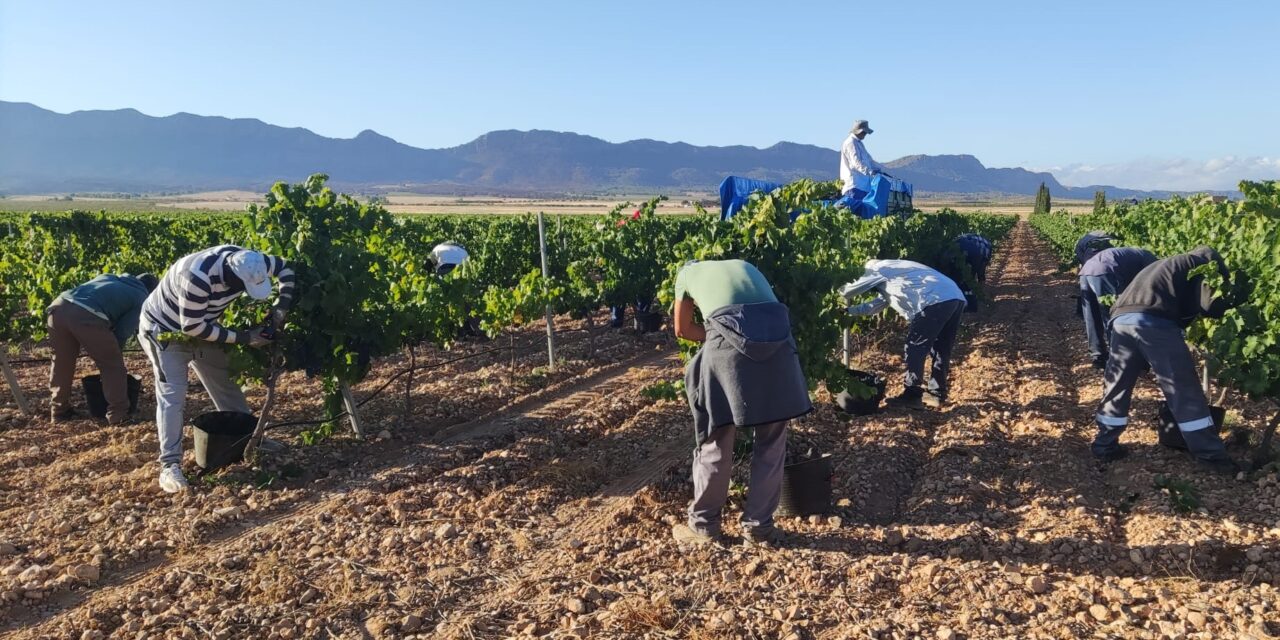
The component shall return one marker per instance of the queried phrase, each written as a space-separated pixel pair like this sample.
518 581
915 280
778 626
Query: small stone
227 512
84 572
575 543
728 617
1099 613
752 568
62 528
411 623
1038 584
945 633
835 522
7 549
815 519
1197 620
315 552
384 435
893 537
446 531
575 605
376 626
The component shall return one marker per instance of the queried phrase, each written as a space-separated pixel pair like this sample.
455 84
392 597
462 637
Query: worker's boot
911 398
1206 446
1106 444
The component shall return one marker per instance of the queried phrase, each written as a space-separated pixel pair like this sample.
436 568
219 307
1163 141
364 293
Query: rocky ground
539 505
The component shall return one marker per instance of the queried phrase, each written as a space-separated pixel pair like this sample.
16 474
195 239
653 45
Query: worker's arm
869 308
127 325
685 326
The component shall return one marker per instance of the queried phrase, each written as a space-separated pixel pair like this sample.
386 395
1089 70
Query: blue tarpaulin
735 191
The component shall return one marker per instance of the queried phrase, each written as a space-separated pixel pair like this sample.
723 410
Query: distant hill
127 151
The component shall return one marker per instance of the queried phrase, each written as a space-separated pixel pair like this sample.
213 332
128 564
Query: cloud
1152 174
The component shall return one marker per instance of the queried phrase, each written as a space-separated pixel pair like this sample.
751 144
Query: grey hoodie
748 372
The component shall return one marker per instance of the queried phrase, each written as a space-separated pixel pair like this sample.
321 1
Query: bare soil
540 505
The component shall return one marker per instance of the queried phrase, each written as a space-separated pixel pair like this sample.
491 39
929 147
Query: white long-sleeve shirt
909 286
856 165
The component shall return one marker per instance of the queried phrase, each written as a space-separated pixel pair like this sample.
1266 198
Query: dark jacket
748 372
116 299
1121 264
1166 290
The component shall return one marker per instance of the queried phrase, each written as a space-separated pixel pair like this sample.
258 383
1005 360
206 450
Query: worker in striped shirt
191 299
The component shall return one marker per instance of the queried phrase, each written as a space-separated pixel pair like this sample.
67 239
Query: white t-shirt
909 286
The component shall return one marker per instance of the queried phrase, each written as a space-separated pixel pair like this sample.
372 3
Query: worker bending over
933 306
747 374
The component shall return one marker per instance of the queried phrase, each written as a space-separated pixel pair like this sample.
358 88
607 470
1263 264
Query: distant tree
1099 201
1043 204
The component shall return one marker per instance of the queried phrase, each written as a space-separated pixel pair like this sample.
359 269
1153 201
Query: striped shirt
198 288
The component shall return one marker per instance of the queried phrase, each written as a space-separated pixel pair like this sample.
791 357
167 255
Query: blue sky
1141 94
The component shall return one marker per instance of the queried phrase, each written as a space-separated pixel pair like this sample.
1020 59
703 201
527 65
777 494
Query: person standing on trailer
98 316
977 254
1147 323
857 168
191 299
933 306
747 374
1102 277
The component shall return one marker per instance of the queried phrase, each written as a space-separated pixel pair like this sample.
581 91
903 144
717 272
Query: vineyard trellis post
349 404
12 379
551 327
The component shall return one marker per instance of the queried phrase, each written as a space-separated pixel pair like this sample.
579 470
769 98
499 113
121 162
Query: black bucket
648 321
806 487
220 437
1171 436
97 401
862 406
970 302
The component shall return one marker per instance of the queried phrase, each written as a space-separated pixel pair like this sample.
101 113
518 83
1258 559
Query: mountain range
127 151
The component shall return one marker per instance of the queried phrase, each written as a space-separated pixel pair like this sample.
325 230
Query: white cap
251 268
448 253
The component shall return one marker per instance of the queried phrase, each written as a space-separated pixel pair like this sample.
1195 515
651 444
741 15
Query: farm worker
977 254
191 299
747 374
856 166
448 256
98 316
932 304
1107 273
1147 322
1090 244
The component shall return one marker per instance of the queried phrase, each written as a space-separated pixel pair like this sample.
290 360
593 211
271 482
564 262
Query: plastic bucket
862 406
97 401
220 437
1171 436
806 487
648 321
970 302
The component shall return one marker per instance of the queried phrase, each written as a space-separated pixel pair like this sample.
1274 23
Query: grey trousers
1164 349
713 469
1096 315
169 363
933 333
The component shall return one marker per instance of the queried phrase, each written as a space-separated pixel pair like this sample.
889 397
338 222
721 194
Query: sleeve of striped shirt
193 311
279 267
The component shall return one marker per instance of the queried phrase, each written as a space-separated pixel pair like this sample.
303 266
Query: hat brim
260 291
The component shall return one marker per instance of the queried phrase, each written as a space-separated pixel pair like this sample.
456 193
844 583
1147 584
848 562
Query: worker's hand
256 339
277 317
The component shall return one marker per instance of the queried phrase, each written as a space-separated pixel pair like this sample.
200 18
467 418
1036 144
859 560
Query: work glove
277 317
256 339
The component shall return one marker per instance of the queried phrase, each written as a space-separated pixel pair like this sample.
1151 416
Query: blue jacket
117 299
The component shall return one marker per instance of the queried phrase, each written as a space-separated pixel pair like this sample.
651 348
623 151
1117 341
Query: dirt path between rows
988 519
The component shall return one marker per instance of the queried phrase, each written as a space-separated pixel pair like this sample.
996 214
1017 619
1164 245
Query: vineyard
496 496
